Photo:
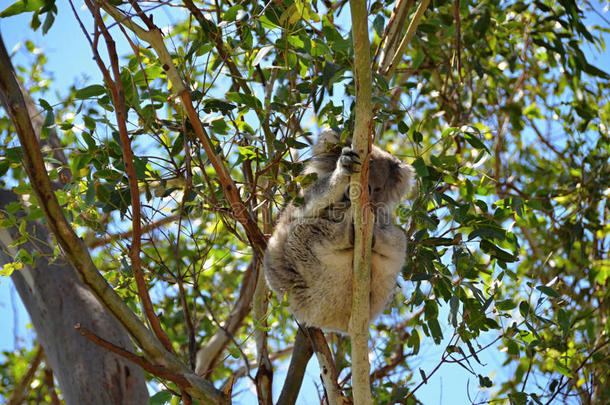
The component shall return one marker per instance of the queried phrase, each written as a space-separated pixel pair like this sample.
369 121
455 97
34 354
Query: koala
309 258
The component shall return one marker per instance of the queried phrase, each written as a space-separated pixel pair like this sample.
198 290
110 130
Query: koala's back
312 264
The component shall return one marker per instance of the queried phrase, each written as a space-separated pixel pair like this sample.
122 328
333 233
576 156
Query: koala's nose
370 190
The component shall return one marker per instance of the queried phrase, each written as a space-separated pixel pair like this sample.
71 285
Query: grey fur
310 255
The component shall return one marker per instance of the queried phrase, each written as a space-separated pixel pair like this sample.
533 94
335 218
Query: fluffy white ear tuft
407 175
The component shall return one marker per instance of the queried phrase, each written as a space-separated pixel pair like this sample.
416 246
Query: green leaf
90 194
435 330
512 348
563 319
524 309
378 24
561 368
482 24
488 232
420 167
505 305
231 13
593 71
48 22
160 398
430 310
21 6
9 268
90 91
414 341
245 99
495 251
485 381
474 141
517 398
330 73
24 257
548 291
261 54
423 376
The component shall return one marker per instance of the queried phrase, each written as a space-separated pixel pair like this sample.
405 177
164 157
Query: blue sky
70 62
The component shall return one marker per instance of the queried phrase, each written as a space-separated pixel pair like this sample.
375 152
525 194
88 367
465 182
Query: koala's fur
310 255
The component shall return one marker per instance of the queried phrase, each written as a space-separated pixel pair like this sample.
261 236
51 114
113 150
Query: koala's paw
349 160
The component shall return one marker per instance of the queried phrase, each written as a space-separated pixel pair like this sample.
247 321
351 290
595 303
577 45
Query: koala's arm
330 188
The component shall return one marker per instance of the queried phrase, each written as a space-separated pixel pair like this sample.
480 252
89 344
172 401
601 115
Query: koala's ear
406 174
326 140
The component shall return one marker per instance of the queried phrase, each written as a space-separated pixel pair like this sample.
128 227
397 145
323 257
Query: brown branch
118 98
154 37
18 394
50 383
327 367
301 354
159 371
458 36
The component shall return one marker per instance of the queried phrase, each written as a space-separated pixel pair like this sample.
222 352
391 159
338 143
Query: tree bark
56 300
363 216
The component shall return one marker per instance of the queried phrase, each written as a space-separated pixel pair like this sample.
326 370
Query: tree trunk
56 300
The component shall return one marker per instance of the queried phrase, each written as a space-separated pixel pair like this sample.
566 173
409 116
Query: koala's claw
349 160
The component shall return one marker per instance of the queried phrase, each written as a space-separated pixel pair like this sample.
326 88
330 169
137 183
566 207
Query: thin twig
97 242
582 364
18 394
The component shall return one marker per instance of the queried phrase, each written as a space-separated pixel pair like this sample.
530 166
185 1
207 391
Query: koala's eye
377 189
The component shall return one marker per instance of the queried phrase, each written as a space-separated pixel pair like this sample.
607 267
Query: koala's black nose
370 190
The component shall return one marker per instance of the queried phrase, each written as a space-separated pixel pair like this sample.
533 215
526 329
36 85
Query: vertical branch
388 70
391 35
458 37
363 216
118 98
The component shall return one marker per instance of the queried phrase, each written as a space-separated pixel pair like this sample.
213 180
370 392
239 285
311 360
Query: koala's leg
330 189
320 252
387 260
390 241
